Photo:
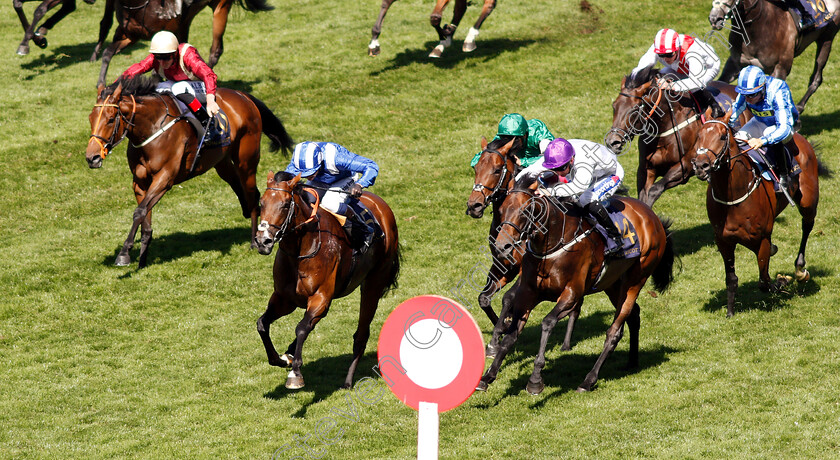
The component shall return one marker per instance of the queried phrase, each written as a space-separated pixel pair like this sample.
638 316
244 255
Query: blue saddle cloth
821 18
222 125
764 168
630 242
367 216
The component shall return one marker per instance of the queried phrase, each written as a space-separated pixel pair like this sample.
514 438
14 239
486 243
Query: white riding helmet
164 42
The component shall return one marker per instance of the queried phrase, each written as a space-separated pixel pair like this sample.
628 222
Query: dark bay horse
162 146
140 19
667 126
445 33
564 261
39 36
742 207
766 36
315 264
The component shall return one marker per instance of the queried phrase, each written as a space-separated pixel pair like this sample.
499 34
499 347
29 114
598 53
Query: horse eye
723 137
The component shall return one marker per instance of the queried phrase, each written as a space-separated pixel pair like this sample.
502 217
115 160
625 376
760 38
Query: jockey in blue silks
332 168
774 114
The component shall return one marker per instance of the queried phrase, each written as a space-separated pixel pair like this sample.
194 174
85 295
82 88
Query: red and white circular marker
431 350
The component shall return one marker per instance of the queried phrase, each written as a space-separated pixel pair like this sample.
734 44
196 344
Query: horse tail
663 274
822 169
273 128
394 274
254 5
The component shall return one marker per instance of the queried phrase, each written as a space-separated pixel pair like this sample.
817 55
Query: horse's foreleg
29 31
469 42
277 307
316 308
730 70
727 251
373 46
823 51
525 301
444 33
146 201
568 302
115 47
220 17
570 327
503 322
678 174
145 239
104 28
67 7
500 274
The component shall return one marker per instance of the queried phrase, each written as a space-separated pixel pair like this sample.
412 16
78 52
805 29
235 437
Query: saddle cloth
822 15
362 210
795 169
221 120
630 242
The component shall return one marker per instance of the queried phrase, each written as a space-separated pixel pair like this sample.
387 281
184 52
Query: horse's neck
558 227
735 177
149 116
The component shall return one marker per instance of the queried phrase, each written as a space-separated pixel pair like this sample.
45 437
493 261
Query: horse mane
637 79
283 176
496 144
135 86
524 183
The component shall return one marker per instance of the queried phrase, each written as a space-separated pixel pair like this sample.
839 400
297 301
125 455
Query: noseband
494 191
106 145
283 229
532 227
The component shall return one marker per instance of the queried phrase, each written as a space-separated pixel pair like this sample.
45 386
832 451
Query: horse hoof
773 249
40 40
374 51
23 50
437 52
582 390
468 47
294 382
535 388
802 275
565 347
482 386
122 261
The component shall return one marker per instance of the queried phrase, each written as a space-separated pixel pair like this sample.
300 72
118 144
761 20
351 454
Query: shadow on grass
486 51
817 124
750 297
173 246
690 240
66 55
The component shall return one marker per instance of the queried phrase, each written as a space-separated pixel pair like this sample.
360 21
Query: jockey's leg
591 201
705 99
185 92
337 200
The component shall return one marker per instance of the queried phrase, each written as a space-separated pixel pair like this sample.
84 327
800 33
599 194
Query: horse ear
708 113
99 90
504 150
270 176
533 187
117 92
296 180
727 114
483 143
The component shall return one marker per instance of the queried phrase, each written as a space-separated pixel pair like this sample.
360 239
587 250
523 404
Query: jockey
689 65
333 167
584 169
774 114
532 137
180 63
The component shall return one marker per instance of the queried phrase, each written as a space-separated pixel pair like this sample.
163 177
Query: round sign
431 350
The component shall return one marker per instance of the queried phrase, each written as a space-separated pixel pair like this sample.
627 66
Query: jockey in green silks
533 136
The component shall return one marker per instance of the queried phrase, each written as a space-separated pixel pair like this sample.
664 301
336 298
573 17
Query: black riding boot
597 210
214 133
354 225
705 99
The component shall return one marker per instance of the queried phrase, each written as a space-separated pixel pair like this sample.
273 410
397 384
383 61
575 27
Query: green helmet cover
513 124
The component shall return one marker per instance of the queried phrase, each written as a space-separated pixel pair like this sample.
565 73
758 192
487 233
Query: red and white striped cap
666 41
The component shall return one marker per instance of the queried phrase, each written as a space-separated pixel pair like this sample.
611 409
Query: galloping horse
768 37
667 128
316 264
40 36
445 33
140 19
742 207
564 261
162 147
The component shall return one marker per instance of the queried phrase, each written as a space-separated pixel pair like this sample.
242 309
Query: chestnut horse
742 207
564 261
40 36
667 126
163 144
140 19
445 33
766 35
316 264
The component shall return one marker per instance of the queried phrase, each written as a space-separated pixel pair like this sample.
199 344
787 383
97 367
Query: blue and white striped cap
751 80
308 157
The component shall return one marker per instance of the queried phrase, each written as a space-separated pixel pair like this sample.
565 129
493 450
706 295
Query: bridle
283 229
733 7
494 191
532 226
722 157
106 145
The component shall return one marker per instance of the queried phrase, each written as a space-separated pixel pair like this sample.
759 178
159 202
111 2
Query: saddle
757 158
219 128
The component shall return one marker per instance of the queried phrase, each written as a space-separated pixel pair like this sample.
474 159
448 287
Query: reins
284 230
106 145
718 161
532 226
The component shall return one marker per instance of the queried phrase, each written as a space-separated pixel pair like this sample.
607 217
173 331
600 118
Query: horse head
278 208
714 141
721 10
494 173
631 115
106 124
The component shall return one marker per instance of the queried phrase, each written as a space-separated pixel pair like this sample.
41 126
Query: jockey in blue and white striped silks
774 114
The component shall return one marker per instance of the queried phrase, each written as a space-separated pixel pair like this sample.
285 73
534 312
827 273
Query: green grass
99 361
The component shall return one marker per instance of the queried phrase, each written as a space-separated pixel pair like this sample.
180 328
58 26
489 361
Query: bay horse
162 147
742 207
39 36
445 33
667 126
564 261
140 19
315 264
766 36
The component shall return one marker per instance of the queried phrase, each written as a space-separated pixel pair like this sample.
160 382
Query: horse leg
627 302
644 180
727 251
500 274
730 70
145 239
469 42
823 51
146 201
371 292
115 47
505 318
316 309
29 32
444 36
23 49
104 28
220 17
373 46
567 303
245 189
277 307
67 7
525 301
678 174
807 200
567 340
762 254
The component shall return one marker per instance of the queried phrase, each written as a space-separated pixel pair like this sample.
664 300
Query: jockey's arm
648 59
139 68
703 67
200 69
738 107
784 118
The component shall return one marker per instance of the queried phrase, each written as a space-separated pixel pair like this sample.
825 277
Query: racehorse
445 33
315 264
766 36
742 207
564 261
140 19
40 36
163 144
667 125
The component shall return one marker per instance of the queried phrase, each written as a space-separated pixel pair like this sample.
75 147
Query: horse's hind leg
807 200
567 303
67 7
570 327
29 30
220 17
469 42
115 47
145 239
371 292
823 51
104 27
277 307
446 32
373 46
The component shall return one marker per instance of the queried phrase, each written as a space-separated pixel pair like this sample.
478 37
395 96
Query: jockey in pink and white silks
332 169
583 169
689 66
